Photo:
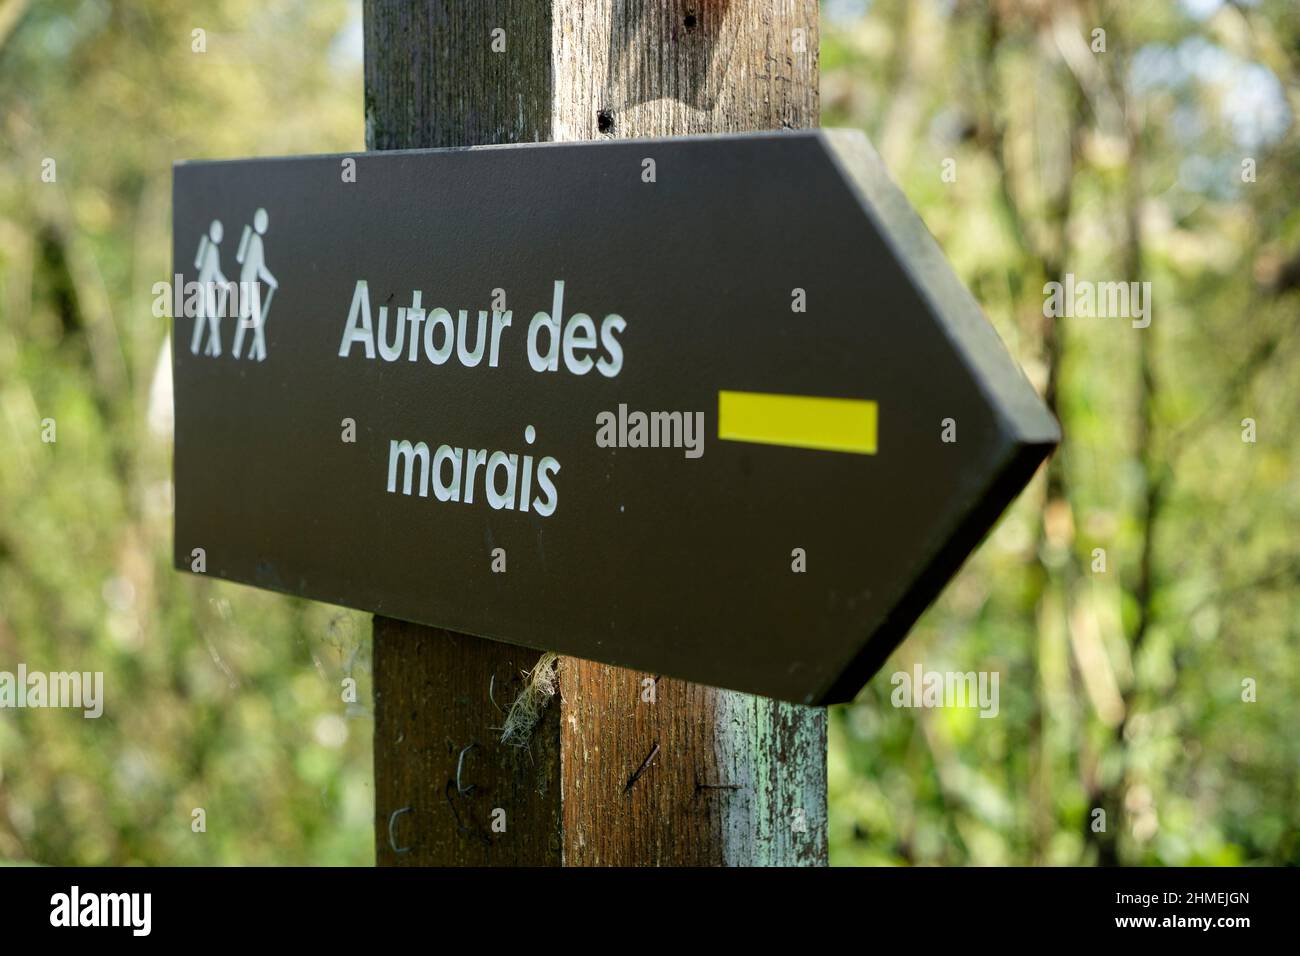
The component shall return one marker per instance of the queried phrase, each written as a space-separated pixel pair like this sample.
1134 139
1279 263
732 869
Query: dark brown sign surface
709 407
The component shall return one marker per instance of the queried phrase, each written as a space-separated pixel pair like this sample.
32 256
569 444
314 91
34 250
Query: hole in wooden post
690 21
605 121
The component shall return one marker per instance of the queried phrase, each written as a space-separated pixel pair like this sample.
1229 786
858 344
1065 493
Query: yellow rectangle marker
798 421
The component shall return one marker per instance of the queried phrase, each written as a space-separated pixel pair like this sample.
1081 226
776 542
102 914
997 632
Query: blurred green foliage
218 697
1120 689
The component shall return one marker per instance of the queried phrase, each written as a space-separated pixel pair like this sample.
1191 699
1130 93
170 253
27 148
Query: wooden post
624 768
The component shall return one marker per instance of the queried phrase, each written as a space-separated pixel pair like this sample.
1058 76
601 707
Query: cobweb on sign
338 641
539 687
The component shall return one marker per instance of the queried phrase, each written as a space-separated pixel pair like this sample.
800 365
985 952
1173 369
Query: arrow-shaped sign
713 407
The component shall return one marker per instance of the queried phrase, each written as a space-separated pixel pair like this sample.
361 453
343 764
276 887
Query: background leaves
1120 690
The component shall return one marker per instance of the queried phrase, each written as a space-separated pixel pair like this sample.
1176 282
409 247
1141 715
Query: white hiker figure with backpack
252 310
212 295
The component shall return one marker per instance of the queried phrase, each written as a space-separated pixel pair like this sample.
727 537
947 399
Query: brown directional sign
712 407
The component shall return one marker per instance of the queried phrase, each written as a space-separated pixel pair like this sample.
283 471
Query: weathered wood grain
737 779
434 693
626 768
